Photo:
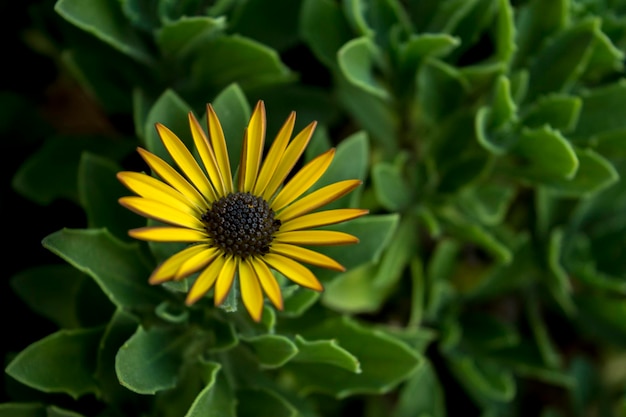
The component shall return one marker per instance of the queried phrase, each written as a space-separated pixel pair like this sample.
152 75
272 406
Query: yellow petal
315 238
274 155
195 263
205 280
303 180
168 268
296 272
225 280
250 290
173 178
289 159
268 282
317 199
308 256
207 155
161 212
168 234
218 142
149 187
322 218
253 148
186 162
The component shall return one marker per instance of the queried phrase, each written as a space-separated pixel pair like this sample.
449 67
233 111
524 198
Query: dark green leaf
537 20
483 380
225 60
440 89
358 60
595 173
120 328
384 360
374 233
117 267
104 19
216 399
272 351
61 362
171 111
546 155
273 23
299 301
263 402
15 409
559 111
561 61
422 395
600 111
178 37
149 361
315 14
327 352
488 203
50 173
391 188
99 191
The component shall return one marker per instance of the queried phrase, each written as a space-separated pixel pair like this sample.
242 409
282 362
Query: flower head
245 228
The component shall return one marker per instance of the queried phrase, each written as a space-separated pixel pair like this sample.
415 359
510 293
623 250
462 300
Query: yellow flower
245 228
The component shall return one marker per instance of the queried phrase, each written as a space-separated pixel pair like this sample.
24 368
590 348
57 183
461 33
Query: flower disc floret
241 224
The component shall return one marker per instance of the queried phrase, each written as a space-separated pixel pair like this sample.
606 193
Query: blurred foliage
490 278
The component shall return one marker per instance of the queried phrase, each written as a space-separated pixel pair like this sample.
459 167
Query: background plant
489 279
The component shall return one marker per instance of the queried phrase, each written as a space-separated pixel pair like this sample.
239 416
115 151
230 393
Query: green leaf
366 288
225 60
559 111
374 233
117 267
391 188
385 361
99 191
315 14
537 20
299 301
351 162
15 409
171 111
503 108
263 402
549 352
466 229
485 332
149 361
358 61
505 32
605 59
61 362
121 326
595 173
563 59
177 37
50 173
104 20
326 352
272 351
372 113
419 47
602 317
64 295
600 111
483 380
234 112
546 155
440 89
216 399
558 281
273 23
421 395
488 203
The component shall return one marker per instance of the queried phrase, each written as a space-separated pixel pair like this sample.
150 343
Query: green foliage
489 279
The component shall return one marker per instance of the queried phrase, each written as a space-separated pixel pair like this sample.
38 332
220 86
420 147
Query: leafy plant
489 278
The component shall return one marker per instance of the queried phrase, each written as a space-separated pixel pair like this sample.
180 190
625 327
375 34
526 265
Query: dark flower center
241 224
